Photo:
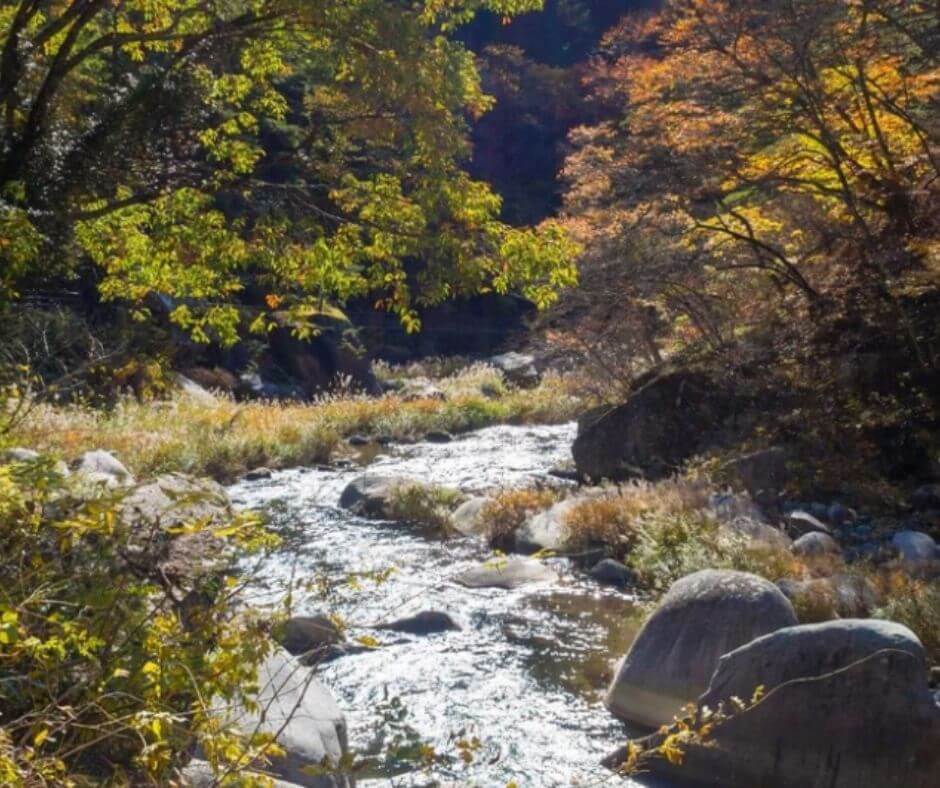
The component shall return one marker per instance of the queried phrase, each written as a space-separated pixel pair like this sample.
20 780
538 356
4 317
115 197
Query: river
525 674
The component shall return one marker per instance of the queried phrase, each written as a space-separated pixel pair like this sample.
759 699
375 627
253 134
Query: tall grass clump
424 505
508 510
223 438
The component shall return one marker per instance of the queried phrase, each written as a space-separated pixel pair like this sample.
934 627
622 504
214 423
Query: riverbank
213 435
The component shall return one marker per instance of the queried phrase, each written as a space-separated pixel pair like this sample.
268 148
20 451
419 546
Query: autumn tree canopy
761 158
186 147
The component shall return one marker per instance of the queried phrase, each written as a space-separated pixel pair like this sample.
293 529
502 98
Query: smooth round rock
507 573
701 618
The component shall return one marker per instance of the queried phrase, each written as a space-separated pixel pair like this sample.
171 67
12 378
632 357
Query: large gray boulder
702 617
304 717
102 467
846 704
664 423
518 369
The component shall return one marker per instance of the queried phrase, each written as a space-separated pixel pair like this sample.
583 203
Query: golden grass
226 438
508 510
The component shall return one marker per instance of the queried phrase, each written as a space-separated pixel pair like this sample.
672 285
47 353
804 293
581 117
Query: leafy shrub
506 511
109 671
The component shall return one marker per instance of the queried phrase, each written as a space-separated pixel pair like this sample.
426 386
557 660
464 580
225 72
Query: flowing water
523 677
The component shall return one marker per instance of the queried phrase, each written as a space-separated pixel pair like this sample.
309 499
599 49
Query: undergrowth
223 439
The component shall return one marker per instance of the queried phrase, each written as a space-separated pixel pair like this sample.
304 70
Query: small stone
816 543
612 572
257 474
427 622
438 436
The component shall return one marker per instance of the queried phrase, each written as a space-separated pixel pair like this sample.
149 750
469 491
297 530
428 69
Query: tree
187 147
761 159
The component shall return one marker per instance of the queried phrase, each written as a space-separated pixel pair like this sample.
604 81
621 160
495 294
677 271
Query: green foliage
111 672
188 147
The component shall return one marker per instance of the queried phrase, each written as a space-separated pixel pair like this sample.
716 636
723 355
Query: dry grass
427 506
508 510
226 438
914 603
614 519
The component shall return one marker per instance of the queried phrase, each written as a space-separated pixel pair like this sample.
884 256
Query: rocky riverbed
525 673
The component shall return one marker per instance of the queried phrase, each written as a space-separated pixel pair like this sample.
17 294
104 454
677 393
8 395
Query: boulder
304 717
664 423
915 550
507 573
702 617
311 638
102 467
815 544
611 572
427 622
371 495
846 704
468 517
156 509
800 523
518 369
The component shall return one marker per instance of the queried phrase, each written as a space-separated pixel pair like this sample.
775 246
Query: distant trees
188 147
761 159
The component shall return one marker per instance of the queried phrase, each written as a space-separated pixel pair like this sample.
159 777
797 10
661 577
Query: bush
423 505
916 604
508 510
110 672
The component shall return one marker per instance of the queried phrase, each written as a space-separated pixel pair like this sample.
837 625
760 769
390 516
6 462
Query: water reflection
523 679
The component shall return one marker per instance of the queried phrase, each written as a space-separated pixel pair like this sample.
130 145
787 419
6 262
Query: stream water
525 674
